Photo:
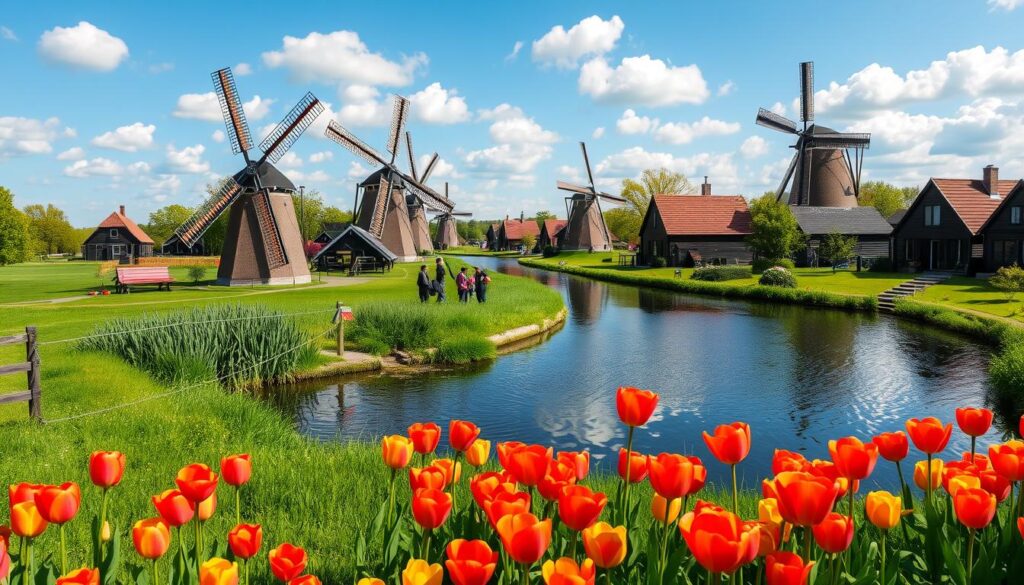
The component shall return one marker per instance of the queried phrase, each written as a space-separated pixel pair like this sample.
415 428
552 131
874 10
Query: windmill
447 234
417 214
263 244
827 164
383 211
585 228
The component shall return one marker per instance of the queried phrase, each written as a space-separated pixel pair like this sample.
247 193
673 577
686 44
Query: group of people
466 284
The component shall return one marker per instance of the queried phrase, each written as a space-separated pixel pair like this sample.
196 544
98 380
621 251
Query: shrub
762 264
1009 280
196 273
1007 372
881 265
658 262
606 259
778 276
720 273
550 251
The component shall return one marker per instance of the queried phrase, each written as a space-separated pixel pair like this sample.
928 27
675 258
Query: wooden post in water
341 330
32 357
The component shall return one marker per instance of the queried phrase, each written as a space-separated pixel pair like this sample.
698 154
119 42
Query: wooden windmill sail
447 234
263 244
382 209
417 211
826 167
585 228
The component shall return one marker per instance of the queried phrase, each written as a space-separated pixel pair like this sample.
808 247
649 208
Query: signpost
341 315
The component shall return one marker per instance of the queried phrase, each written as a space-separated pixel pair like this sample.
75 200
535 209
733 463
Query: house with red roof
512 231
117 238
690 229
1003 232
943 228
549 232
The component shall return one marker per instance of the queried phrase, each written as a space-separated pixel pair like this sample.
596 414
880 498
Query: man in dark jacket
423 283
440 273
482 280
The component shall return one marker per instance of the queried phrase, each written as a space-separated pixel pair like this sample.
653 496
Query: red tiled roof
700 215
970 199
553 226
515 229
116 220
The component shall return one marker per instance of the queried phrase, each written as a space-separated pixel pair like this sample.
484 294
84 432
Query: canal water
799 376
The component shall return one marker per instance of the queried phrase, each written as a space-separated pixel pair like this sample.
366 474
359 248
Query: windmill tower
417 212
585 228
263 244
826 167
383 210
447 234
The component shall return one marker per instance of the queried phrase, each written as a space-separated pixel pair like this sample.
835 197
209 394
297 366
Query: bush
550 251
762 264
196 273
881 265
606 259
1009 280
720 273
1007 372
778 276
658 262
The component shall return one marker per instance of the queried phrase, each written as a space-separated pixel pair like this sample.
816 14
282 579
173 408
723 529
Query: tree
653 182
835 247
14 236
50 229
542 216
164 221
529 241
775 233
886 198
1009 280
624 223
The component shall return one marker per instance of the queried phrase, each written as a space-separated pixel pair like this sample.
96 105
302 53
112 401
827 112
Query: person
440 272
482 280
423 283
462 284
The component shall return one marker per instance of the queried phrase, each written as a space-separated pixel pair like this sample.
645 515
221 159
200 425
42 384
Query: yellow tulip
396 451
666 511
478 452
921 474
768 512
605 545
217 571
419 572
883 509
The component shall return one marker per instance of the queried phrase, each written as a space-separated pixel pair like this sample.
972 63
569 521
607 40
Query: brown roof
553 226
970 200
515 229
703 215
116 220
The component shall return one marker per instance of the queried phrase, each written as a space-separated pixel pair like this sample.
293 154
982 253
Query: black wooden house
117 238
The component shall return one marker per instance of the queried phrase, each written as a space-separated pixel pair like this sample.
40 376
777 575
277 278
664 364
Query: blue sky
107 103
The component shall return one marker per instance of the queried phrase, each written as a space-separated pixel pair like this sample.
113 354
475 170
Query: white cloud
779 108
598 133
515 51
754 147
23 136
442 169
499 112
726 88
7 34
322 156
218 136
158 68
73 153
362 108
521 145
642 81
317 176
94 168
1007 5
204 106
133 138
357 172
631 162
241 70
341 57
290 160
630 123
590 37
188 160
684 133
437 105
521 130
83 47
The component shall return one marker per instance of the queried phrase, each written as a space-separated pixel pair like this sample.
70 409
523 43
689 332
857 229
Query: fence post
341 330
32 357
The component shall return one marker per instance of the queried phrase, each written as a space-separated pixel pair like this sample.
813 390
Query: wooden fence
31 368
108 266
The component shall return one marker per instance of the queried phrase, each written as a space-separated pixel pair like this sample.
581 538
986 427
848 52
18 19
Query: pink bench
129 277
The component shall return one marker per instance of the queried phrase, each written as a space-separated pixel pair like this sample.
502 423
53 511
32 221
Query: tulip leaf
46 574
110 562
954 565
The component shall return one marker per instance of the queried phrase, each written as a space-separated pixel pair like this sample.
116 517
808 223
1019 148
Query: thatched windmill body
826 168
263 244
447 234
585 228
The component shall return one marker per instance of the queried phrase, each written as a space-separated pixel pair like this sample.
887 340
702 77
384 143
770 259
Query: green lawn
974 294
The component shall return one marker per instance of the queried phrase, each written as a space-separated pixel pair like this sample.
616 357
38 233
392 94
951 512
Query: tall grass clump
455 330
241 345
463 350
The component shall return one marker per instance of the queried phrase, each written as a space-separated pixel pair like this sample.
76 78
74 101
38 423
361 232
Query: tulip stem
391 497
526 574
885 535
238 505
455 477
735 492
156 574
807 544
31 561
973 440
1020 498
608 572
426 545
63 552
928 484
626 476
575 539
970 554
664 540
103 518
199 540
245 569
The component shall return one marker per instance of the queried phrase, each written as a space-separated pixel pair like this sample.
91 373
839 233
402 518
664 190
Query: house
549 232
942 229
491 237
866 224
117 238
329 232
1003 231
512 231
353 247
690 229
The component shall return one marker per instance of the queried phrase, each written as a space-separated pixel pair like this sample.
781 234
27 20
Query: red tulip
928 434
671 475
558 477
700 474
430 508
578 460
731 443
579 507
305 580
980 461
958 468
506 504
245 540
5 562
505 449
106 468
83 576
24 492
565 571
461 434
59 504
431 477
174 507
470 562
635 406
835 533
786 568
452 470
974 507
425 437
892 446
529 463
524 537
1008 459
287 561
637 471
804 499
974 421
719 540
485 486
236 469
995 484
855 460
196 481
784 460
1020 521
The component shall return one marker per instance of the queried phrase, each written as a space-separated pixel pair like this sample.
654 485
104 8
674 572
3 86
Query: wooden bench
129 277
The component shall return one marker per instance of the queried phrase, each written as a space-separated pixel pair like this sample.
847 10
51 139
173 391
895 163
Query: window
932 215
113 233
116 250
1015 215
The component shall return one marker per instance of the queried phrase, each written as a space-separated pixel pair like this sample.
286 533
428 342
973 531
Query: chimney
705 188
122 210
522 216
991 181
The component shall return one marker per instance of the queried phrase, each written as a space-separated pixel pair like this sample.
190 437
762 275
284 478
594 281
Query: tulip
768 537
236 471
783 460
666 511
1020 521
462 434
207 507
928 481
524 537
217 571
287 561
786 568
719 540
606 545
174 507
245 540
975 508
579 507
83 576
396 451
26 521
578 460
59 505
370 581
432 477
671 475
962 480
635 406
23 492
470 562
804 499
565 571
974 422
995 484
305 580
883 509
529 464
854 459
430 508
5 561
730 444
485 486
505 504
106 468
196 482
636 470
419 572
931 437
505 449
425 437
700 474
833 534
892 446
452 470
5 536
1008 459
479 452
558 477
152 538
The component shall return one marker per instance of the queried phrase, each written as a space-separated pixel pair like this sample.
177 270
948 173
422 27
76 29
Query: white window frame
113 232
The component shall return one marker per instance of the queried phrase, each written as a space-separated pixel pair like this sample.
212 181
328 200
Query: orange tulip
955 468
635 406
974 421
196 482
974 507
506 504
529 464
579 507
462 434
784 460
700 474
452 470
430 508
505 449
217 571
804 499
1008 459
637 467
245 540
892 446
731 443
883 509
287 561
671 475
768 537
207 507
665 511
578 460
719 540
83 576
396 451
829 470
24 492
305 580
425 437
835 533
929 435
524 537
485 486
470 562
431 477
106 468
174 507
236 469
420 572
854 459
980 461
786 568
1020 521
479 452
26 521
605 544
565 571
59 504
995 484
921 474
152 538
370 581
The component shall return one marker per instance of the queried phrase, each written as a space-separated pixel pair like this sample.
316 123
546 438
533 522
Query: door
934 254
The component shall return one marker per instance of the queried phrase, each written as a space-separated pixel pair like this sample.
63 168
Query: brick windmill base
244 261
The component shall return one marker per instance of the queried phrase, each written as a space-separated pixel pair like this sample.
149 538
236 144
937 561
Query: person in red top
462 283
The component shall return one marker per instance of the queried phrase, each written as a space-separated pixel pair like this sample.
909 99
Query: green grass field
976 295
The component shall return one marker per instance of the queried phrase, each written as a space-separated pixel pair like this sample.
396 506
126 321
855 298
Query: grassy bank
475 251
